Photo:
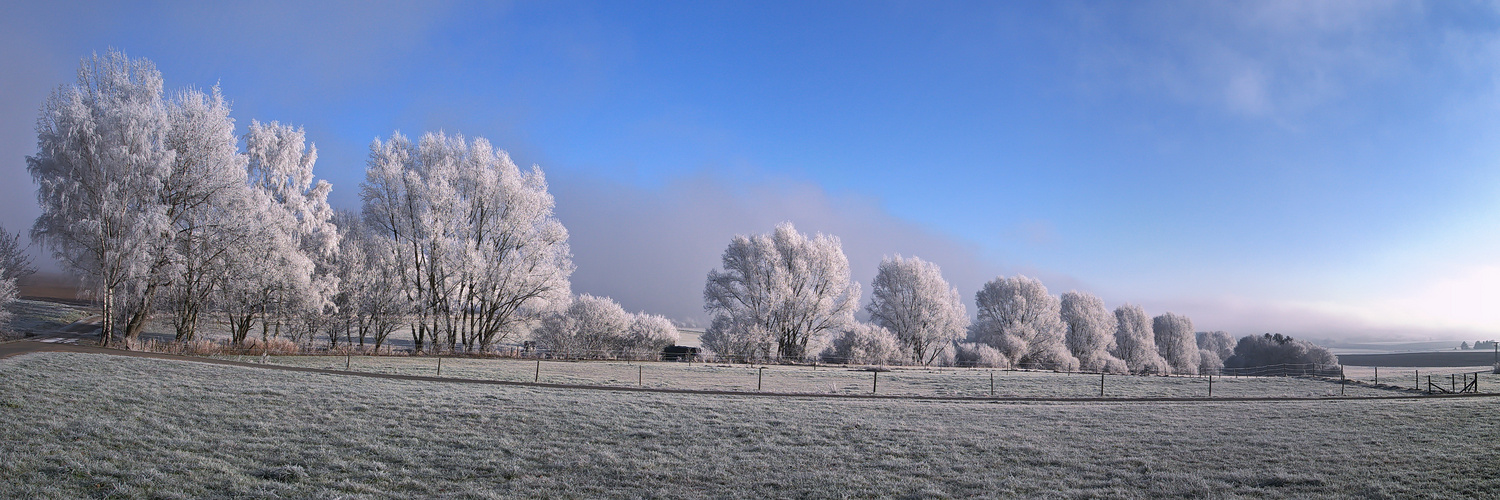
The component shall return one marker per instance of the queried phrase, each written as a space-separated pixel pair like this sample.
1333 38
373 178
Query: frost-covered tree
1135 343
1271 350
369 304
1176 342
102 160
14 265
864 344
209 204
1018 317
590 327
976 355
779 294
649 334
729 338
276 281
912 300
473 238
7 295
1214 347
347 265
1218 342
1091 332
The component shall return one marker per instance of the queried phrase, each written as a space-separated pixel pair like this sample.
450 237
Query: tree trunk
107 311
136 324
417 332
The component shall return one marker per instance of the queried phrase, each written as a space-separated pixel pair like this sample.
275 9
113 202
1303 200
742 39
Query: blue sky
1325 169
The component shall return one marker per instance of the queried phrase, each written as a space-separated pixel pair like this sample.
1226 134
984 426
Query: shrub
276 345
864 343
973 354
1209 362
649 334
589 326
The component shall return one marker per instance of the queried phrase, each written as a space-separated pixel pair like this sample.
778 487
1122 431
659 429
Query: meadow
85 425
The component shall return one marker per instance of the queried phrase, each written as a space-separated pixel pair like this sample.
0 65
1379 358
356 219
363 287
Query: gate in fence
1470 384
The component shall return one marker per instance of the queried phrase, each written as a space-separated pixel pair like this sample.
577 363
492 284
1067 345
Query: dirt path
19 347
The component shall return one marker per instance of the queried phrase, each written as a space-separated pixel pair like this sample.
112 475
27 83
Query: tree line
786 295
149 197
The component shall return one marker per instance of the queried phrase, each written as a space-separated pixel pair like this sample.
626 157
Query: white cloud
1275 59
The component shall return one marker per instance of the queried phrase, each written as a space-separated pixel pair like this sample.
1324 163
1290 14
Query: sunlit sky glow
1324 169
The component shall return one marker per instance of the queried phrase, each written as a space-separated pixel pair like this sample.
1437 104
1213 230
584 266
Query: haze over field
1323 170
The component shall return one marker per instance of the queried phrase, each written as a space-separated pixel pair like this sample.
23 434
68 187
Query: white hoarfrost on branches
597 327
151 203
369 305
864 344
589 327
14 265
1018 317
7 295
1178 345
910 298
1214 347
101 163
649 334
1091 333
1135 343
209 204
474 239
276 279
976 355
779 295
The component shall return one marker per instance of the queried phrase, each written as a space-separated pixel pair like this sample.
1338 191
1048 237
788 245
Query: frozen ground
32 317
81 425
837 379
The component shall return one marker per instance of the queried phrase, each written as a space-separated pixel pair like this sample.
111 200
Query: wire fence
1283 370
833 379
692 371
1432 380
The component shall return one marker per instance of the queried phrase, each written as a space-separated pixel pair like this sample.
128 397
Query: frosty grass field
92 425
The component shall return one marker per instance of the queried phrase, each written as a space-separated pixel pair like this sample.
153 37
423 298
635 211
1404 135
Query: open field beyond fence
836 379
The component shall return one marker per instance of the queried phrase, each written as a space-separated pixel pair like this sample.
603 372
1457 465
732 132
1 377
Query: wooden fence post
640 375
440 366
874 383
538 377
1210 386
759 373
